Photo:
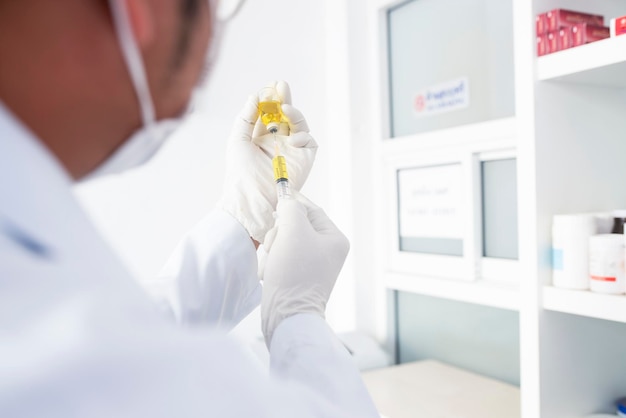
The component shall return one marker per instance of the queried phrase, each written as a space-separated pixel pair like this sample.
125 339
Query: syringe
271 115
280 173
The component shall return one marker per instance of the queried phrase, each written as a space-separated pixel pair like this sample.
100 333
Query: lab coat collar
37 205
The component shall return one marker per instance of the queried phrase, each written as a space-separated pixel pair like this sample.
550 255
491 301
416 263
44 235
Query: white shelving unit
576 108
569 136
585 303
480 292
601 63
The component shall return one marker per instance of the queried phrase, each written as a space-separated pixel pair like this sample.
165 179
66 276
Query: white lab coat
80 338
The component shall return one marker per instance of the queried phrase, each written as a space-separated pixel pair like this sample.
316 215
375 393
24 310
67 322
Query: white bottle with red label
570 250
606 264
618 26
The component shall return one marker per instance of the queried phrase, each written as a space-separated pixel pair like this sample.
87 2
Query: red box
542 24
583 34
564 39
542 45
560 18
618 26
553 42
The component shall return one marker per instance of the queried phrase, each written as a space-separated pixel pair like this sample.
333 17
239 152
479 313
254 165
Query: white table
430 389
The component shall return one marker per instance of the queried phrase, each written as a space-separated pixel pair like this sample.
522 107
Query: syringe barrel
280 168
282 189
281 176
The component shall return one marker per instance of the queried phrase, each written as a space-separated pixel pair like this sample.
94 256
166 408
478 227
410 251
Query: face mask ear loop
134 61
218 27
231 14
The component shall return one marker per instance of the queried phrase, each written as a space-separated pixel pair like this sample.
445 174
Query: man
89 87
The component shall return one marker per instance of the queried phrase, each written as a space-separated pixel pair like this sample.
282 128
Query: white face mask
145 142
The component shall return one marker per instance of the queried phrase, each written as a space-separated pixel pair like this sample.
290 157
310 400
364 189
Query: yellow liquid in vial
270 112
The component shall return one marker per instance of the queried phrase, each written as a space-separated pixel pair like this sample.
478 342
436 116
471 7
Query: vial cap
272 127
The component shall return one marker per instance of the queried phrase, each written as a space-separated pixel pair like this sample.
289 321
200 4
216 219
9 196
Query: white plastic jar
606 264
570 250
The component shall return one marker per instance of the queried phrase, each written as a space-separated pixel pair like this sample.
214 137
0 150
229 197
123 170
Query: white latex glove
305 254
250 191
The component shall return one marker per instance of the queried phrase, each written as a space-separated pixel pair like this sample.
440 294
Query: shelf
433 389
601 63
479 292
585 303
489 132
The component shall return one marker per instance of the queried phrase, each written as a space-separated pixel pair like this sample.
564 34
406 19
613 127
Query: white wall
144 213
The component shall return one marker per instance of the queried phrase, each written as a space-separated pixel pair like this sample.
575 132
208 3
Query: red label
620 26
542 45
560 18
542 23
565 39
604 279
553 42
420 103
584 34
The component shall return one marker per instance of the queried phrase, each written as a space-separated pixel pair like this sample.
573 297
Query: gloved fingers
334 239
297 195
297 122
265 143
301 140
259 129
284 92
283 129
262 257
290 212
270 237
316 215
245 122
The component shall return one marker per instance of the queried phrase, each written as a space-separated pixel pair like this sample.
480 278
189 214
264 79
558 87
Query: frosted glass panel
430 205
450 63
477 338
500 233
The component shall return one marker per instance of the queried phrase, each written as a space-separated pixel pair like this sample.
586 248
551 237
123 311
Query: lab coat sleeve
305 350
141 369
211 278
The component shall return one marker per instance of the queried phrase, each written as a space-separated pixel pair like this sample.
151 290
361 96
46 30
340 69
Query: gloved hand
305 254
250 191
